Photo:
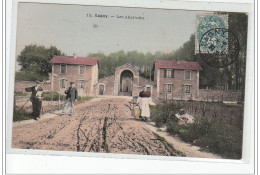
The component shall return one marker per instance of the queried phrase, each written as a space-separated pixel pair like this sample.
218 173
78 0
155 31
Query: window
186 88
168 73
187 74
81 84
63 69
63 83
82 70
168 88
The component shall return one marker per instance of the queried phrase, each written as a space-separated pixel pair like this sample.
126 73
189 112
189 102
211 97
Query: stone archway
126 83
126 77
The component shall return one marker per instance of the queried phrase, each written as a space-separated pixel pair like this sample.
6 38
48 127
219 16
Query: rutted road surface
98 126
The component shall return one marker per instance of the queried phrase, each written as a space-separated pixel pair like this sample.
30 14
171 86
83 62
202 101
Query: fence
220 96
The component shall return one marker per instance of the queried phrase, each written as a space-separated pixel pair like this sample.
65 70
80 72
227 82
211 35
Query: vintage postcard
132 81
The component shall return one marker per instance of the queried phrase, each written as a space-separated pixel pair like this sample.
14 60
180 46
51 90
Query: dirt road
103 125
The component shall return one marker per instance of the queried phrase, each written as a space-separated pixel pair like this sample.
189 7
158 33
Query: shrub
29 76
164 113
223 139
20 114
195 130
173 127
53 96
21 94
219 135
84 98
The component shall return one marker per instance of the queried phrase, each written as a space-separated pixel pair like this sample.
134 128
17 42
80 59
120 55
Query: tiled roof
71 60
173 64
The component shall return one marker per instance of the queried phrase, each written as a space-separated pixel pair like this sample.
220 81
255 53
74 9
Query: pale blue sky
68 28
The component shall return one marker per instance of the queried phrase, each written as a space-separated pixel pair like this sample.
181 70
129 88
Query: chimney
74 55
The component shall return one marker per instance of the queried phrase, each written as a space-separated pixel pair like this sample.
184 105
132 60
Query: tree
35 59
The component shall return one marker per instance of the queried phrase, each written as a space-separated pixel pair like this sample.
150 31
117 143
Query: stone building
83 71
177 79
172 79
125 82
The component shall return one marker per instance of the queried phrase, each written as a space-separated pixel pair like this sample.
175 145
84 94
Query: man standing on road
35 99
72 95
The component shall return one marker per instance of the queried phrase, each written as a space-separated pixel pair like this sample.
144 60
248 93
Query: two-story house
177 79
83 71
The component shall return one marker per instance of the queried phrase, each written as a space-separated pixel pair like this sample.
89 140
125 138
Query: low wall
218 95
19 86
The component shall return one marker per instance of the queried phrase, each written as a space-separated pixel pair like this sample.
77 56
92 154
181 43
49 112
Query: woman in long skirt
143 103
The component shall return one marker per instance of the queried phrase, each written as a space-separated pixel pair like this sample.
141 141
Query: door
101 89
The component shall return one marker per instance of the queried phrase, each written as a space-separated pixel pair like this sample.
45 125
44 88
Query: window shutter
165 72
172 73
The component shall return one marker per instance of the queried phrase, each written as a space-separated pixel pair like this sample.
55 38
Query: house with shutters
176 79
83 71
172 79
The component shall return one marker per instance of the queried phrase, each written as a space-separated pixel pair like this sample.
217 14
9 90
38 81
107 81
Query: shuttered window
81 84
168 73
168 88
63 69
186 88
187 74
63 83
82 70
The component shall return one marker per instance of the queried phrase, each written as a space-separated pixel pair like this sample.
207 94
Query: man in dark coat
35 99
72 95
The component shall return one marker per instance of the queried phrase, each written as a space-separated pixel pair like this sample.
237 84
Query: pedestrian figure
144 93
35 99
71 97
143 102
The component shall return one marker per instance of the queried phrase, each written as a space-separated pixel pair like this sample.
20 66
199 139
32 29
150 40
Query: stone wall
108 83
20 86
220 96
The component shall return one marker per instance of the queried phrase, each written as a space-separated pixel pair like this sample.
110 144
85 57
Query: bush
195 130
53 96
164 113
20 114
223 139
173 127
84 98
218 136
29 76
21 94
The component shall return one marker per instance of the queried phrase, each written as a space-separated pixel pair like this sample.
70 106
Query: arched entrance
126 83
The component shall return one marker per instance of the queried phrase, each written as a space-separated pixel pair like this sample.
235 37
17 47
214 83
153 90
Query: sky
71 30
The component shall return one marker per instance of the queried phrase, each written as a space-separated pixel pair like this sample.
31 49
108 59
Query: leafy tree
35 59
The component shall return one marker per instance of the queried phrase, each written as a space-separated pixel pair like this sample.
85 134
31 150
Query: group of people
36 95
143 101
